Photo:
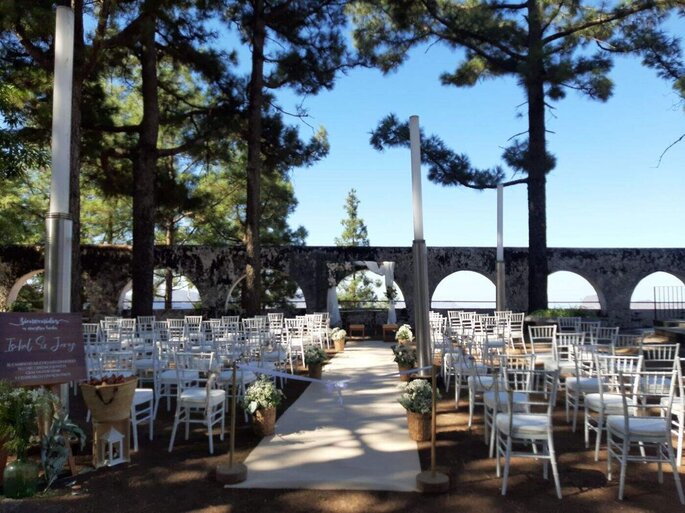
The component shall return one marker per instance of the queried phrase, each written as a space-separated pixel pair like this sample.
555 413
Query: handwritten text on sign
41 349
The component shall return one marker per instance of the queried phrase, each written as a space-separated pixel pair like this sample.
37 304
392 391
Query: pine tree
359 291
354 232
549 46
299 45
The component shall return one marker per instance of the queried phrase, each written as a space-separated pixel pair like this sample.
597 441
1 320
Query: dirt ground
183 480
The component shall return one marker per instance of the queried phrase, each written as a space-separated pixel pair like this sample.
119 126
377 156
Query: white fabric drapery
333 306
387 270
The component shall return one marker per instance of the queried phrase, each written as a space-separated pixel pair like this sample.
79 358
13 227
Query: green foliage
404 355
354 232
262 394
417 396
24 203
314 355
54 444
20 410
553 313
445 166
357 291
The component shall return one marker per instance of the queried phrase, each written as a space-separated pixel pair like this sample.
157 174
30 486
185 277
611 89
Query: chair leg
472 399
598 440
209 431
553 462
173 431
587 428
674 470
624 463
507 462
493 435
134 428
679 455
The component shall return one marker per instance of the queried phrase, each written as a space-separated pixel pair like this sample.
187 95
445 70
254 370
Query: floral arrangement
404 355
314 355
417 396
404 334
338 334
261 395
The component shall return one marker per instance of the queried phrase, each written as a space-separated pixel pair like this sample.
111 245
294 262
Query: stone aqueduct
613 273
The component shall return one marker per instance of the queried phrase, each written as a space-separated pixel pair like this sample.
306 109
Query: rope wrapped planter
110 402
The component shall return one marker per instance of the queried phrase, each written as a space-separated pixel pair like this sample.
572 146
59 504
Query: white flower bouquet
417 396
404 334
338 334
314 355
261 395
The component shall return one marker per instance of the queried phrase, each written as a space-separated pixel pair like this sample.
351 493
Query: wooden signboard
41 349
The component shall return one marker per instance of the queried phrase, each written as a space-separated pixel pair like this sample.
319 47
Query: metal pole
234 393
420 254
434 387
57 293
499 266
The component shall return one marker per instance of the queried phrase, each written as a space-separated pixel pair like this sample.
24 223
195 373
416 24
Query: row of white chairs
475 365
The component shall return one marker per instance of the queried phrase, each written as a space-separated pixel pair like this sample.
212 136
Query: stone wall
214 270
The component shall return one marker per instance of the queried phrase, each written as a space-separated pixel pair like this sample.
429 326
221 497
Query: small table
390 329
358 328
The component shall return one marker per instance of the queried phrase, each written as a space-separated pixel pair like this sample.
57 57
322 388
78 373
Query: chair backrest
583 356
606 335
91 337
542 338
660 356
569 324
541 387
648 393
229 319
610 366
117 363
628 340
563 345
590 330
660 351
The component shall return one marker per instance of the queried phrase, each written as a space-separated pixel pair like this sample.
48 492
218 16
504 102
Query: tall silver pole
499 265
58 223
57 294
420 254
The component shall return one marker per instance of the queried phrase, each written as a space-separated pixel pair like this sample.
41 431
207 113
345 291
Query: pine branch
679 139
619 14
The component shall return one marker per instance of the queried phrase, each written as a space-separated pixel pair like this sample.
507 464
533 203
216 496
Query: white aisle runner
362 444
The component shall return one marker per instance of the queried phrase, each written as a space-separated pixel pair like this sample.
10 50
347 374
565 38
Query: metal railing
669 302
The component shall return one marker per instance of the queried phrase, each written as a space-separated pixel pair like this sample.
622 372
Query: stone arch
667 278
575 282
124 299
587 269
242 277
443 296
19 284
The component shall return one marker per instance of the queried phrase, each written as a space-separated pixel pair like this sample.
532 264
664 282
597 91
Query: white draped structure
385 269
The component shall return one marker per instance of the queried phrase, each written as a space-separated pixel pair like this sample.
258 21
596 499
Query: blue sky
606 191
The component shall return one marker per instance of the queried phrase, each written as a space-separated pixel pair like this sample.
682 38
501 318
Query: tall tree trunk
144 176
75 157
537 162
254 154
168 273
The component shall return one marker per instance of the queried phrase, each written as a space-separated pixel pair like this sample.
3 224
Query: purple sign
41 349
